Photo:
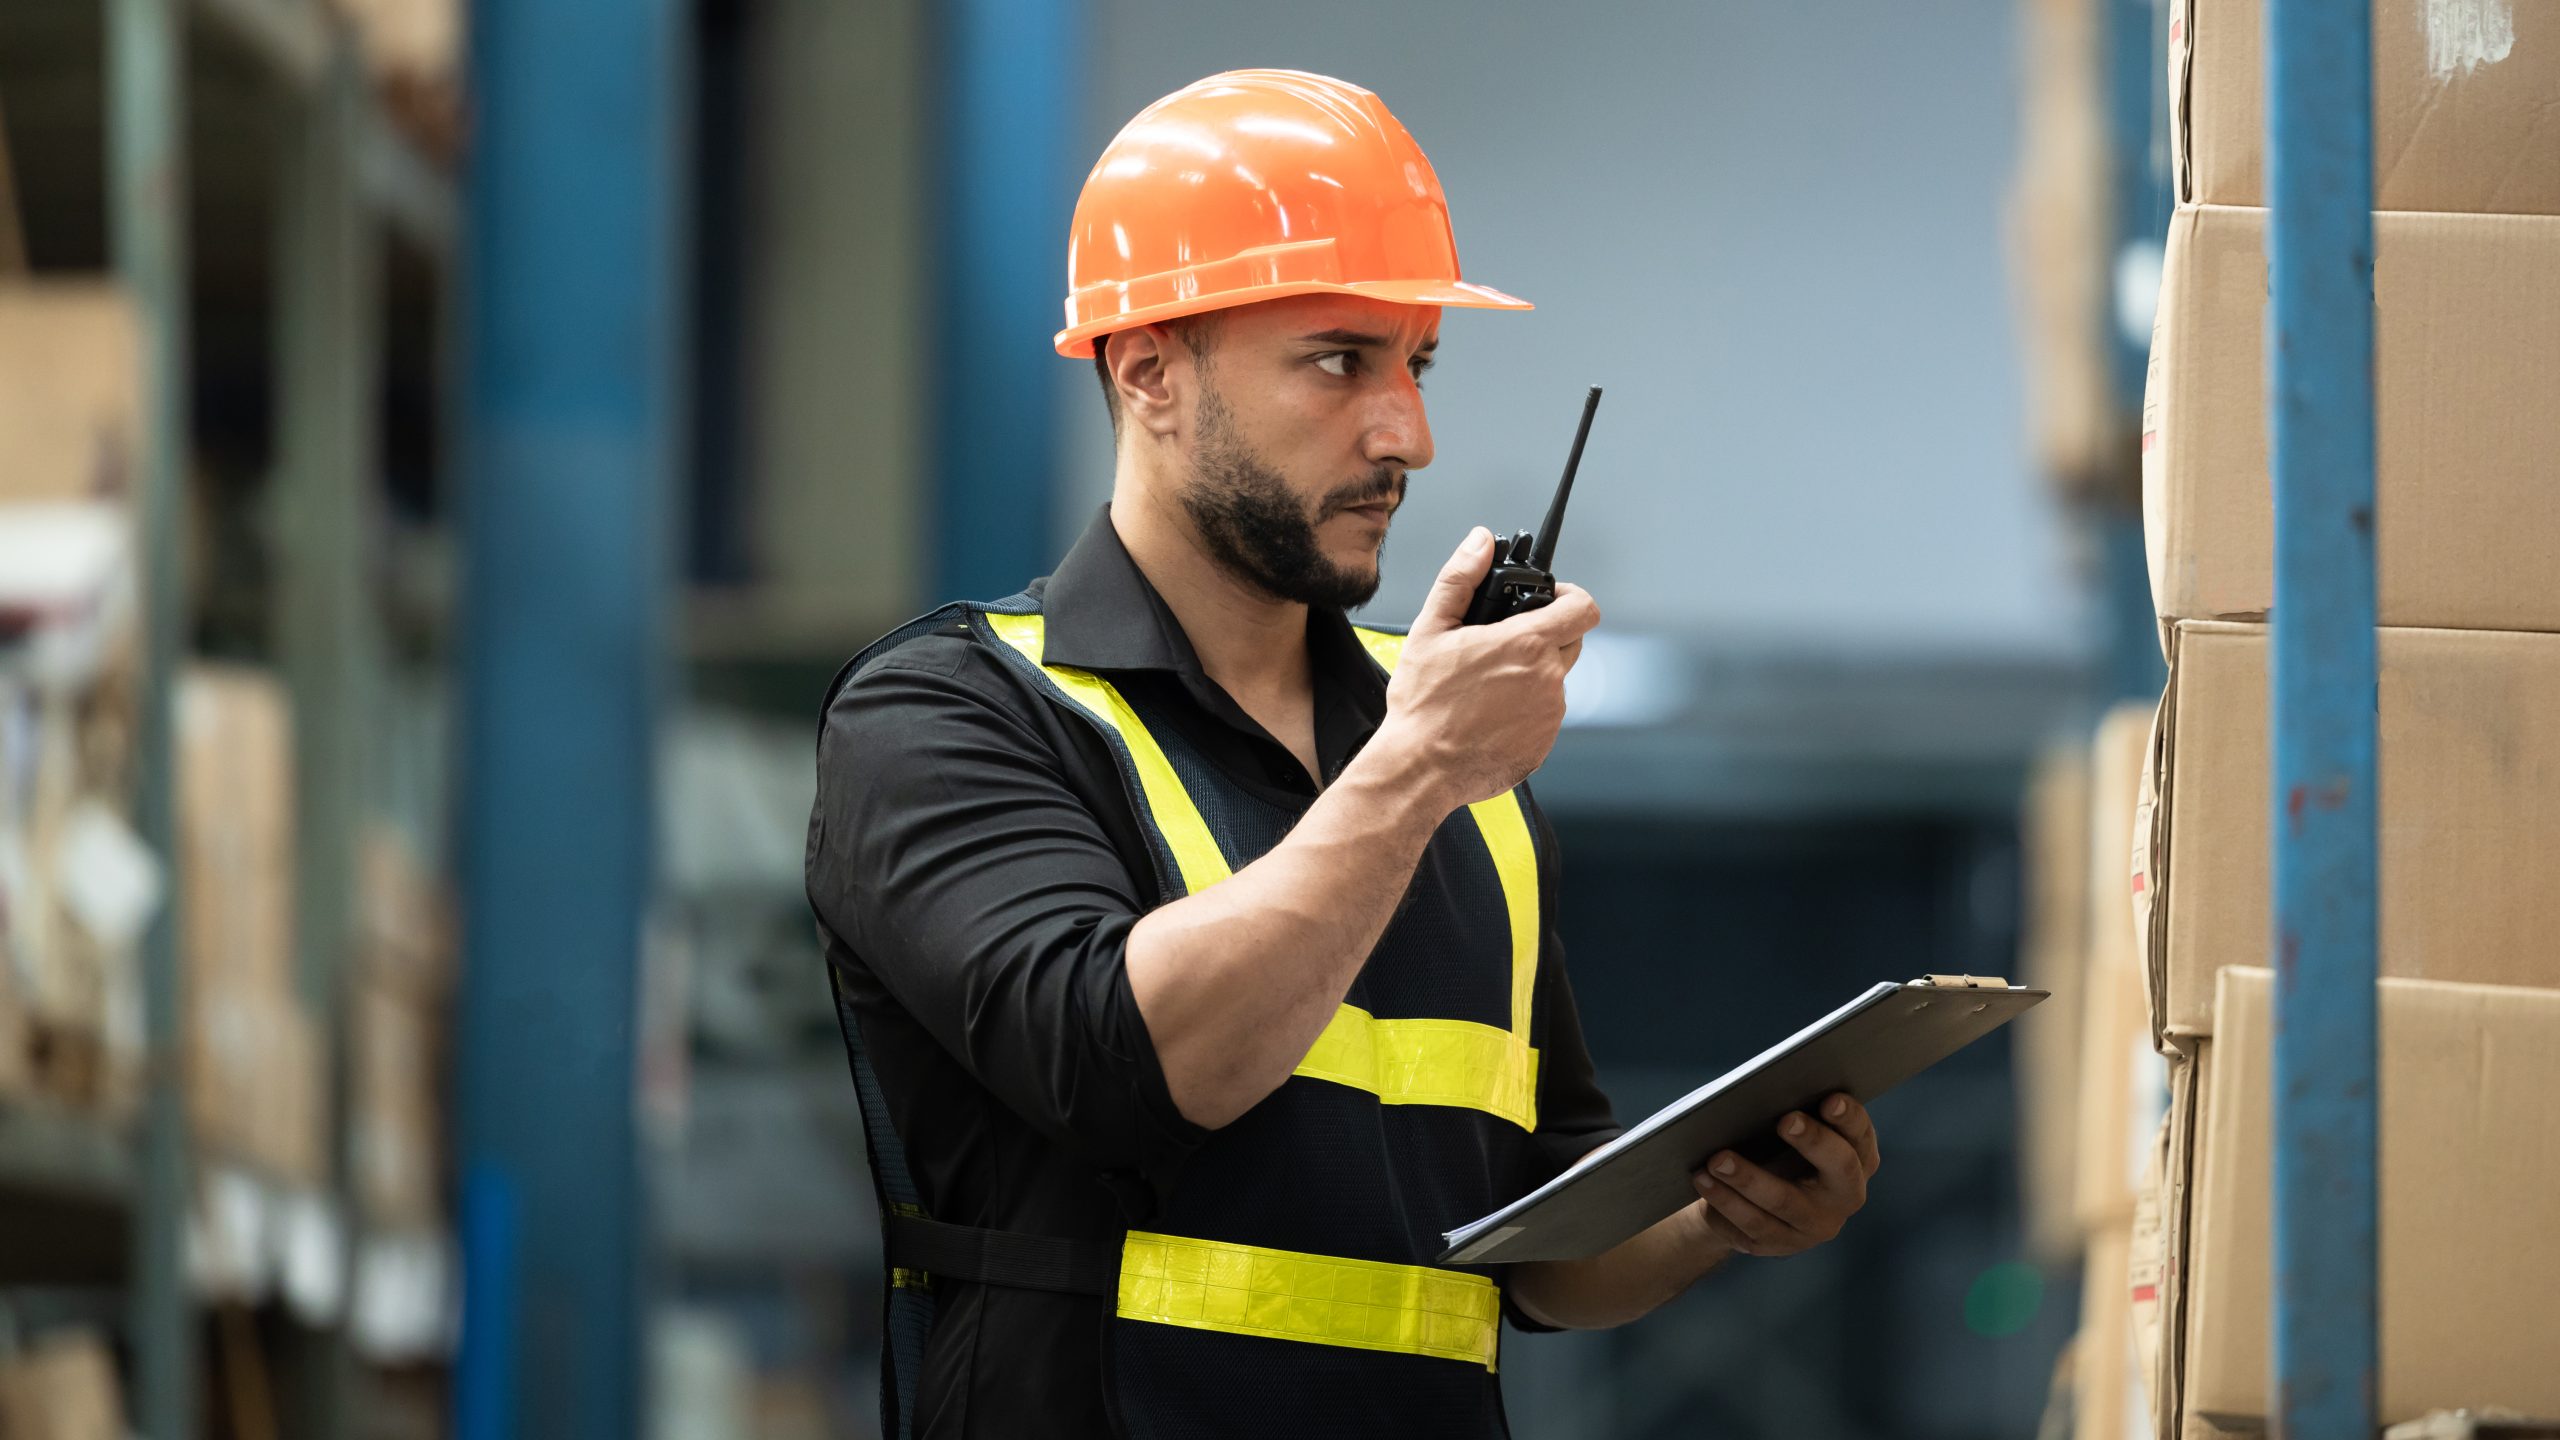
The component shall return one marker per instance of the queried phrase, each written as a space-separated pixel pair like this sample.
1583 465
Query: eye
1338 362
1421 367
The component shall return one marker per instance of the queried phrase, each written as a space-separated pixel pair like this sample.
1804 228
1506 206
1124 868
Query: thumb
1446 606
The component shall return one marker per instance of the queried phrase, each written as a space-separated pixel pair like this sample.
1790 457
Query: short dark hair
1199 336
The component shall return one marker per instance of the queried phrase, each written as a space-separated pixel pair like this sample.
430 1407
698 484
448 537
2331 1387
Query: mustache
1380 485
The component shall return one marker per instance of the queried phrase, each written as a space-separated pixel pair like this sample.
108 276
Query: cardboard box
71 387
236 825
2466 104
2062 241
2470 779
2470 1161
2121 1088
398 1132
2106 1389
2467 362
2158 1259
255 1082
404 914
2053 839
62 1387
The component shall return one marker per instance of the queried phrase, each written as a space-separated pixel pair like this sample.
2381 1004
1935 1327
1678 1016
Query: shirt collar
1103 614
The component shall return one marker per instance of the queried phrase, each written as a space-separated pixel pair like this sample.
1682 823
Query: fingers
1845 1115
1563 620
1743 1224
1446 606
1748 1195
1838 1168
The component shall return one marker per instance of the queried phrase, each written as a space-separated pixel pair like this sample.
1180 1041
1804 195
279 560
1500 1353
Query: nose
1399 430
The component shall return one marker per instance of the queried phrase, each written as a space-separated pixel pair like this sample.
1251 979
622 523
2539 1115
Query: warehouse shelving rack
245 95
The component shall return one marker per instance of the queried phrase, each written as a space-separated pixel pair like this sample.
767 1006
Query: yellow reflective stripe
1455 1062
1429 1062
1505 827
1196 855
1383 646
1318 1299
1401 1061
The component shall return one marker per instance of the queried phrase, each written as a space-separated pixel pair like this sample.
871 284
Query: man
1196 948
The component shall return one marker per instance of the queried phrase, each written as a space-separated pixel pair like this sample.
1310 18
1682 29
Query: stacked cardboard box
2062 226
2467 362
62 1387
2091 1088
254 1077
401 994
76 887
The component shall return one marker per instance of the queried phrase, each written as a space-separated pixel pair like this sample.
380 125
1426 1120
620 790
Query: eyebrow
1363 339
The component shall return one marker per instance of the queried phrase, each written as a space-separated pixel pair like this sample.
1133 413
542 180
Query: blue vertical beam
2320 374
147 163
1009 171
570 327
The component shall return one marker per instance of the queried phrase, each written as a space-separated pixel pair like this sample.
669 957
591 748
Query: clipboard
1866 1047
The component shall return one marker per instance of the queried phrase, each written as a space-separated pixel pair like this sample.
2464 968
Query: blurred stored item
235 788
398 1121
2053 843
2466 360
2470 726
254 1054
2106 1384
67 589
2466 104
404 914
414 49
2121 1087
62 1387
70 391
2061 227
2469 1257
2473 1425
1252 185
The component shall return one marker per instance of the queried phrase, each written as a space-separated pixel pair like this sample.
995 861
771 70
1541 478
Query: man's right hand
1478 706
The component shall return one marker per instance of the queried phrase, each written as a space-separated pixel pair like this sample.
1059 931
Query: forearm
1624 1283
1235 983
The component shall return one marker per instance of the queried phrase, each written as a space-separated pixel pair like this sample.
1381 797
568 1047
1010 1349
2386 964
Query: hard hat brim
1076 341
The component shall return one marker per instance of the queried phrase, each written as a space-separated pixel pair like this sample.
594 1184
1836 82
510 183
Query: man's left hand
1758 1213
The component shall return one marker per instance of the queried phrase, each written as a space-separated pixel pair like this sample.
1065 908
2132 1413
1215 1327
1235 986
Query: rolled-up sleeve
951 856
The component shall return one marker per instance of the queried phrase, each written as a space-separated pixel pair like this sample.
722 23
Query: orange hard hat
1252 185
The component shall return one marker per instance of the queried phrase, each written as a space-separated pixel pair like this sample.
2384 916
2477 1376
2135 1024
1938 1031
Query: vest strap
1002 1257
1217 1285
1315 1299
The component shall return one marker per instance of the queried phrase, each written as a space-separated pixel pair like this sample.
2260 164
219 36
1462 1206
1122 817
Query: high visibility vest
1286 1286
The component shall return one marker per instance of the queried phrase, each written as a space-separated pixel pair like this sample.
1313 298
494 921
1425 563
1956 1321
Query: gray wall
1771 229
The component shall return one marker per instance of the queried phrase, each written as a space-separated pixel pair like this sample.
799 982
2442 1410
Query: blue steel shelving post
1010 169
572 425
2321 451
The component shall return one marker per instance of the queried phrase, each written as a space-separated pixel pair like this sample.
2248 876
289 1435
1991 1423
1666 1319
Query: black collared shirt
976 869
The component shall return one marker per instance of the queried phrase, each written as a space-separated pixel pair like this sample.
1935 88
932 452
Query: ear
1151 369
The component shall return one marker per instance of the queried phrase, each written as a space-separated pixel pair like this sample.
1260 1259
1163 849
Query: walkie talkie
1519 580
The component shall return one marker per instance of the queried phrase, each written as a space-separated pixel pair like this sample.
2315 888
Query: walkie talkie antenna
1543 553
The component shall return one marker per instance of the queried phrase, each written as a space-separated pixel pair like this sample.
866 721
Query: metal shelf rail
347 168
2321 451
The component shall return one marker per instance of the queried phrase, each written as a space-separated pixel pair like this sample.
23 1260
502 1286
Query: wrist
1399 772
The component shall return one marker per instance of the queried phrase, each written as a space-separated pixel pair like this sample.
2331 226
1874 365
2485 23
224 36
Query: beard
1257 528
